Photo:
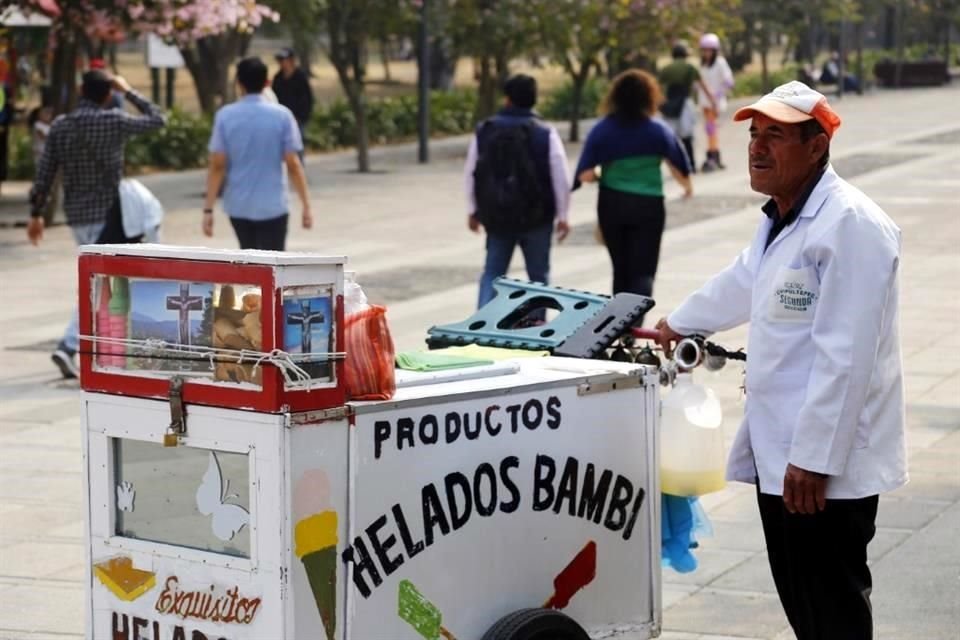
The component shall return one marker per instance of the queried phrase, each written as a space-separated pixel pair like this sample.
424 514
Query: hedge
182 144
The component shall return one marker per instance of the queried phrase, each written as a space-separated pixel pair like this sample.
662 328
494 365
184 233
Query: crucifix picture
184 304
306 318
177 313
308 327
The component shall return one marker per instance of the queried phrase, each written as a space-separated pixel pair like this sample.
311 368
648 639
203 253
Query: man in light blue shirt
252 141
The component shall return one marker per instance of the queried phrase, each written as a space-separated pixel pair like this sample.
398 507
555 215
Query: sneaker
63 358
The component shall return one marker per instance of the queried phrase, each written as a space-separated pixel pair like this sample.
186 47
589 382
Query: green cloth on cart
437 361
494 353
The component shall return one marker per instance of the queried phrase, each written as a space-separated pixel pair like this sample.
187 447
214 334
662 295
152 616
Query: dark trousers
632 226
535 245
819 564
268 235
688 147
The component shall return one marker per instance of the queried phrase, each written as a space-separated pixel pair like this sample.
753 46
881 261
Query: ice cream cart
233 493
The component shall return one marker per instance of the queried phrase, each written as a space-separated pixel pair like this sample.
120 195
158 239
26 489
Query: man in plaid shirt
87 146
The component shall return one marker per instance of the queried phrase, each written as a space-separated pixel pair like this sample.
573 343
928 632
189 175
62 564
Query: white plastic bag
142 212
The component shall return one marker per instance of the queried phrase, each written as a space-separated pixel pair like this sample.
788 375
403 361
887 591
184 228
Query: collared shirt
87 145
559 179
782 222
255 136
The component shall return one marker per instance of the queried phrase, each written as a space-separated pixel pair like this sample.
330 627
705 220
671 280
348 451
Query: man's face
288 65
780 161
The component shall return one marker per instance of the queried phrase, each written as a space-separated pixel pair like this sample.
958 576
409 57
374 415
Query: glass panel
308 329
169 327
187 497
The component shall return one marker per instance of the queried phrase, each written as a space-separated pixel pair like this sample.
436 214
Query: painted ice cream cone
315 543
316 546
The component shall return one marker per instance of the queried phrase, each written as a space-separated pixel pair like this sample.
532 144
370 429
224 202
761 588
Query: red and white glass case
245 329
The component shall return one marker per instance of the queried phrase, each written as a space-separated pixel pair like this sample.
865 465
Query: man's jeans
83 234
535 245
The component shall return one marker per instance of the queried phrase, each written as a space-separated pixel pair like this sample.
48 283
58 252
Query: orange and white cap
792 103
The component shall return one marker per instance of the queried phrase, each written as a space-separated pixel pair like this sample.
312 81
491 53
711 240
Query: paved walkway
405 234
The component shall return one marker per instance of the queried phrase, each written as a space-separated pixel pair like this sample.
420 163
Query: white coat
824 370
719 80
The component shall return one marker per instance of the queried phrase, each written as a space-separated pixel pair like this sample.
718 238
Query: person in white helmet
718 80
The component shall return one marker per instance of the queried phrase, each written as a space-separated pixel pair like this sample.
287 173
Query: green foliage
390 119
559 104
751 83
182 144
20 160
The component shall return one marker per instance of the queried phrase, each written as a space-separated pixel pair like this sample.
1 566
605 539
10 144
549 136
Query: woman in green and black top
628 146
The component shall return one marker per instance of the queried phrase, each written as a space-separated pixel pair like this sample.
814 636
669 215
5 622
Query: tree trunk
443 64
858 37
359 108
764 58
303 46
503 67
576 101
208 62
63 71
199 73
487 91
385 58
898 68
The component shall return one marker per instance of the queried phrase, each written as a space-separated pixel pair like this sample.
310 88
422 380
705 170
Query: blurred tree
302 19
210 34
350 26
579 34
493 33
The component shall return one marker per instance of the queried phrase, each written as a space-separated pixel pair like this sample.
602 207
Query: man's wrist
208 211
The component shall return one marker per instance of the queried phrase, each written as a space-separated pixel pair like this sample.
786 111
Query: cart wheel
536 624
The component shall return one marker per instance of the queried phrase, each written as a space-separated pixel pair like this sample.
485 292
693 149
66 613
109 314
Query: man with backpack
517 186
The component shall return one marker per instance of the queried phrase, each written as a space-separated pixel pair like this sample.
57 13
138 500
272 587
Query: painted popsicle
420 613
103 325
119 316
575 576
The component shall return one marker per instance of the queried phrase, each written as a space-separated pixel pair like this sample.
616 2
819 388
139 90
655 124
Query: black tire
536 624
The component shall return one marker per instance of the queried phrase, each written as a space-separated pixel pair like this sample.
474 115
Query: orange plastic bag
369 370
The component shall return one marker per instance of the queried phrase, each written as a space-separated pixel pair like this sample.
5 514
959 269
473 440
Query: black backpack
506 186
676 99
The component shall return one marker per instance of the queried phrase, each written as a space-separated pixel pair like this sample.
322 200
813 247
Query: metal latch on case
178 414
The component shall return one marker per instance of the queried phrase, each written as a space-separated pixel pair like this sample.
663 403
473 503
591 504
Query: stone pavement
404 231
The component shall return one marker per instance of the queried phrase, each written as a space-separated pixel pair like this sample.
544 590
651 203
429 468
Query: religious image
237 325
308 327
178 314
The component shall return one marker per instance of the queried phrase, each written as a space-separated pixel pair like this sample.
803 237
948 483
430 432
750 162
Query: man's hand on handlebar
668 337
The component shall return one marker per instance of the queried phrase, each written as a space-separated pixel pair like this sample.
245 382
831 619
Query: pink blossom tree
210 34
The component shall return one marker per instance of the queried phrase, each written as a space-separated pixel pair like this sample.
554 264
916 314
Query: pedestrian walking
712 96
253 141
292 88
823 430
623 153
677 80
517 187
85 147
